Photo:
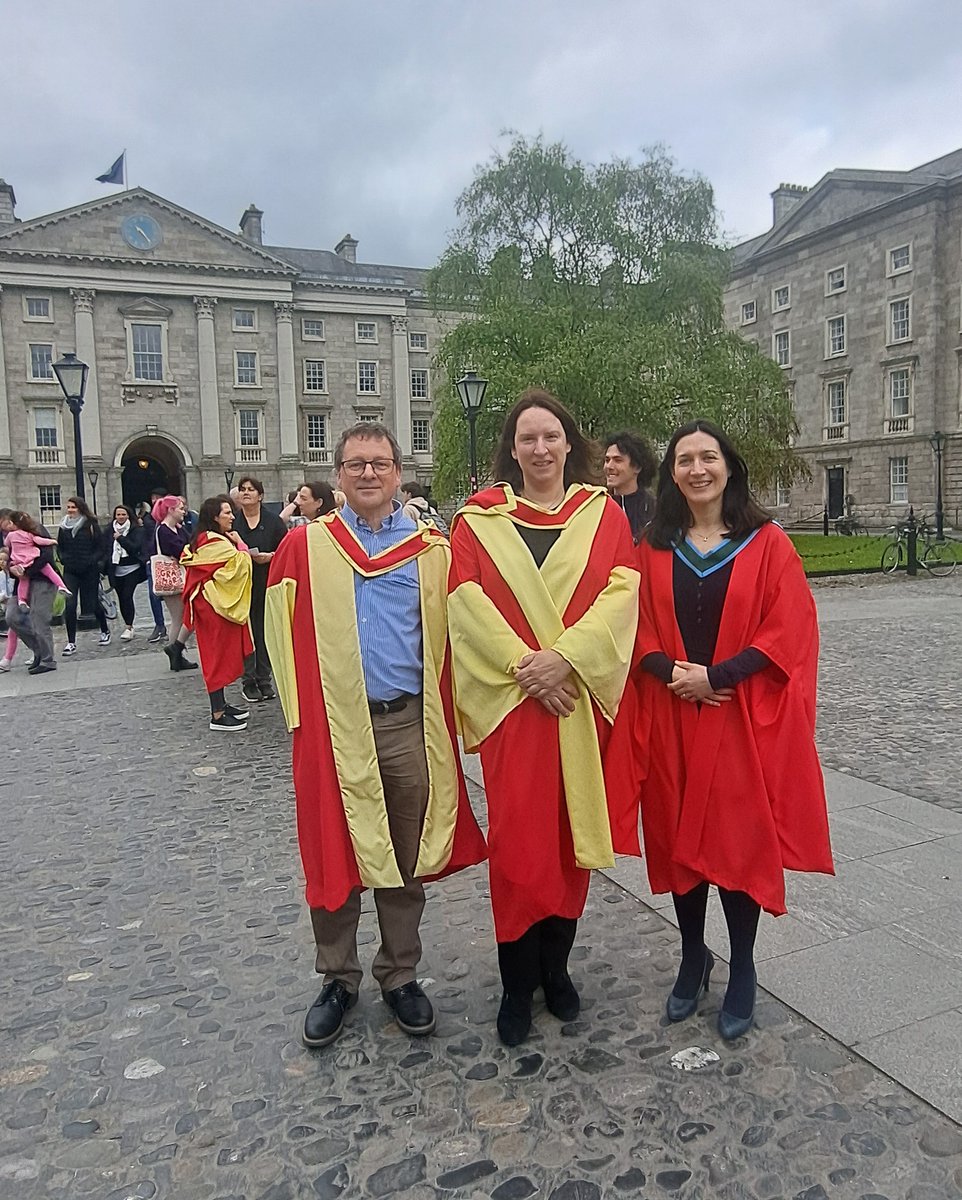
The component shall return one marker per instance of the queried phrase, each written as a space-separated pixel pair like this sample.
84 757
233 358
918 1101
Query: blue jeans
156 604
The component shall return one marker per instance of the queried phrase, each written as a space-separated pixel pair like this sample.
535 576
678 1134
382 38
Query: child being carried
24 543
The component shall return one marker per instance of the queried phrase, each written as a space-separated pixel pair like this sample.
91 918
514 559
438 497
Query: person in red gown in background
542 613
732 790
217 601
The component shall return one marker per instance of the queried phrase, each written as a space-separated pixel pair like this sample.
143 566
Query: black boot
560 994
175 652
520 964
514 1019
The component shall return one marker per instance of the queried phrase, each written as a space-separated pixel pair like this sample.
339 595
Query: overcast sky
343 116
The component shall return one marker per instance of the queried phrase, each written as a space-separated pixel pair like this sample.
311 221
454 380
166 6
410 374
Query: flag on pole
116 172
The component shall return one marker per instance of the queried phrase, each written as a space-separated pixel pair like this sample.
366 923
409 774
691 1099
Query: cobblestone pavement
158 965
890 701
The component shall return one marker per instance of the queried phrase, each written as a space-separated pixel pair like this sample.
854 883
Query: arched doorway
150 463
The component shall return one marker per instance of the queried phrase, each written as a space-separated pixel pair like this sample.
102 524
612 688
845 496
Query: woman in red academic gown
542 617
732 792
217 601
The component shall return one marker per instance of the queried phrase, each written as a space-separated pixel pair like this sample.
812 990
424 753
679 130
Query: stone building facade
856 292
210 354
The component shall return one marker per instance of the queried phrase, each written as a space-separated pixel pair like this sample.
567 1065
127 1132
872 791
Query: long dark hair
323 492
741 512
130 511
92 529
207 517
22 520
581 465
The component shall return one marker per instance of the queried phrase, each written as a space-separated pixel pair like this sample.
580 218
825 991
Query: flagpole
126 184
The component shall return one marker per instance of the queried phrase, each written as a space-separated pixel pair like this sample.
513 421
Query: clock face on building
141 232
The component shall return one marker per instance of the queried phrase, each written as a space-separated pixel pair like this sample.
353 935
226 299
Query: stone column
4 408
402 384
207 375
286 389
83 316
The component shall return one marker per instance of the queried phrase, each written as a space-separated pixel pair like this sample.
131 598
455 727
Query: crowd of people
626 661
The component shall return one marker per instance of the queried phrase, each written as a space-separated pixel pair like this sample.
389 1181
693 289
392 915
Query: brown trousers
399 740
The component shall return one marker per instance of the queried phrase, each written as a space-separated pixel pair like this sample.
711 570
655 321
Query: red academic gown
334 864
734 795
223 644
532 860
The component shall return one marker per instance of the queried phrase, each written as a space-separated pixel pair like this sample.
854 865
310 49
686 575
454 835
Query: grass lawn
841 554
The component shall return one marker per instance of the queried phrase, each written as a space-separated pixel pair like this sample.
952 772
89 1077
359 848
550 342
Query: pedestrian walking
357 631
159 632
217 600
171 539
33 627
24 543
630 470
263 532
80 546
124 554
418 506
543 612
732 792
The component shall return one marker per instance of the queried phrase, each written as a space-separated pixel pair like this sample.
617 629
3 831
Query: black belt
380 707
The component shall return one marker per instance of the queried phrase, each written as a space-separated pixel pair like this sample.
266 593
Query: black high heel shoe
730 1026
679 1008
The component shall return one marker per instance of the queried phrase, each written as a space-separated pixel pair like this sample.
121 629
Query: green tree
604 285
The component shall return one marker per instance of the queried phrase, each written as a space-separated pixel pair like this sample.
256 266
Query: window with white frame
834 336
365 331
244 319
782 347
419 384
46 443
783 494
367 384
417 341
837 405
421 435
312 329
749 312
41 361
781 297
368 418
245 368
900 259
147 352
900 395
48 501
315 375
835 281
37 308
315 428
250 440
900 320
899 480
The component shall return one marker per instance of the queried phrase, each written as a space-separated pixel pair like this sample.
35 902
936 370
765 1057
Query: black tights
741 916
541 950
217 701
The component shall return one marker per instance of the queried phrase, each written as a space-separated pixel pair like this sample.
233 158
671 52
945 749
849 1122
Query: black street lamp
72 376
229 480
471 389
93 476
937 442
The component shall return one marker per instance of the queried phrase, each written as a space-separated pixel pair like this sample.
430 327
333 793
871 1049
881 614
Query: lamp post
72 376
229 480
93 476
937 442
471 389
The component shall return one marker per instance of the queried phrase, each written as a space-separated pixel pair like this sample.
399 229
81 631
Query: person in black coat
123 552
81 549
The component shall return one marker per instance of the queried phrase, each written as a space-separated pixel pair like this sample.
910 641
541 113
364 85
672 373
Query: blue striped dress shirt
388 612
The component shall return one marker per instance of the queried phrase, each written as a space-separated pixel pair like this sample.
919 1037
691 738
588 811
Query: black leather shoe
42 668
412 1009
730 1026
325 1017
514 1019
561 996
681 1007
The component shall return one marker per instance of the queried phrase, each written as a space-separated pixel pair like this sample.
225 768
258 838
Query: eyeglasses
357 466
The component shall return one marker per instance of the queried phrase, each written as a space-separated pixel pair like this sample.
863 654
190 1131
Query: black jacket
132 546
81 551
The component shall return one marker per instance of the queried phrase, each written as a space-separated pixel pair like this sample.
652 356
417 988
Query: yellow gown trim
338 649
487 651
228 590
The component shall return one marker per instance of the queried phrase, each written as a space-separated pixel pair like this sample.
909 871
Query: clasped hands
549 678
689 681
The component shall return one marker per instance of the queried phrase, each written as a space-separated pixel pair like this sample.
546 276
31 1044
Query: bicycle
938 558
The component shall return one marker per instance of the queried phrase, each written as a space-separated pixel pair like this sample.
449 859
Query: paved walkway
158 965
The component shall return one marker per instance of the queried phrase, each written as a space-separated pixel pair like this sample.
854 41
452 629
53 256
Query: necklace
707 537
553 503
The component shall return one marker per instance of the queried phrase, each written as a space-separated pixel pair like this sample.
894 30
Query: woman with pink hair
170 538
